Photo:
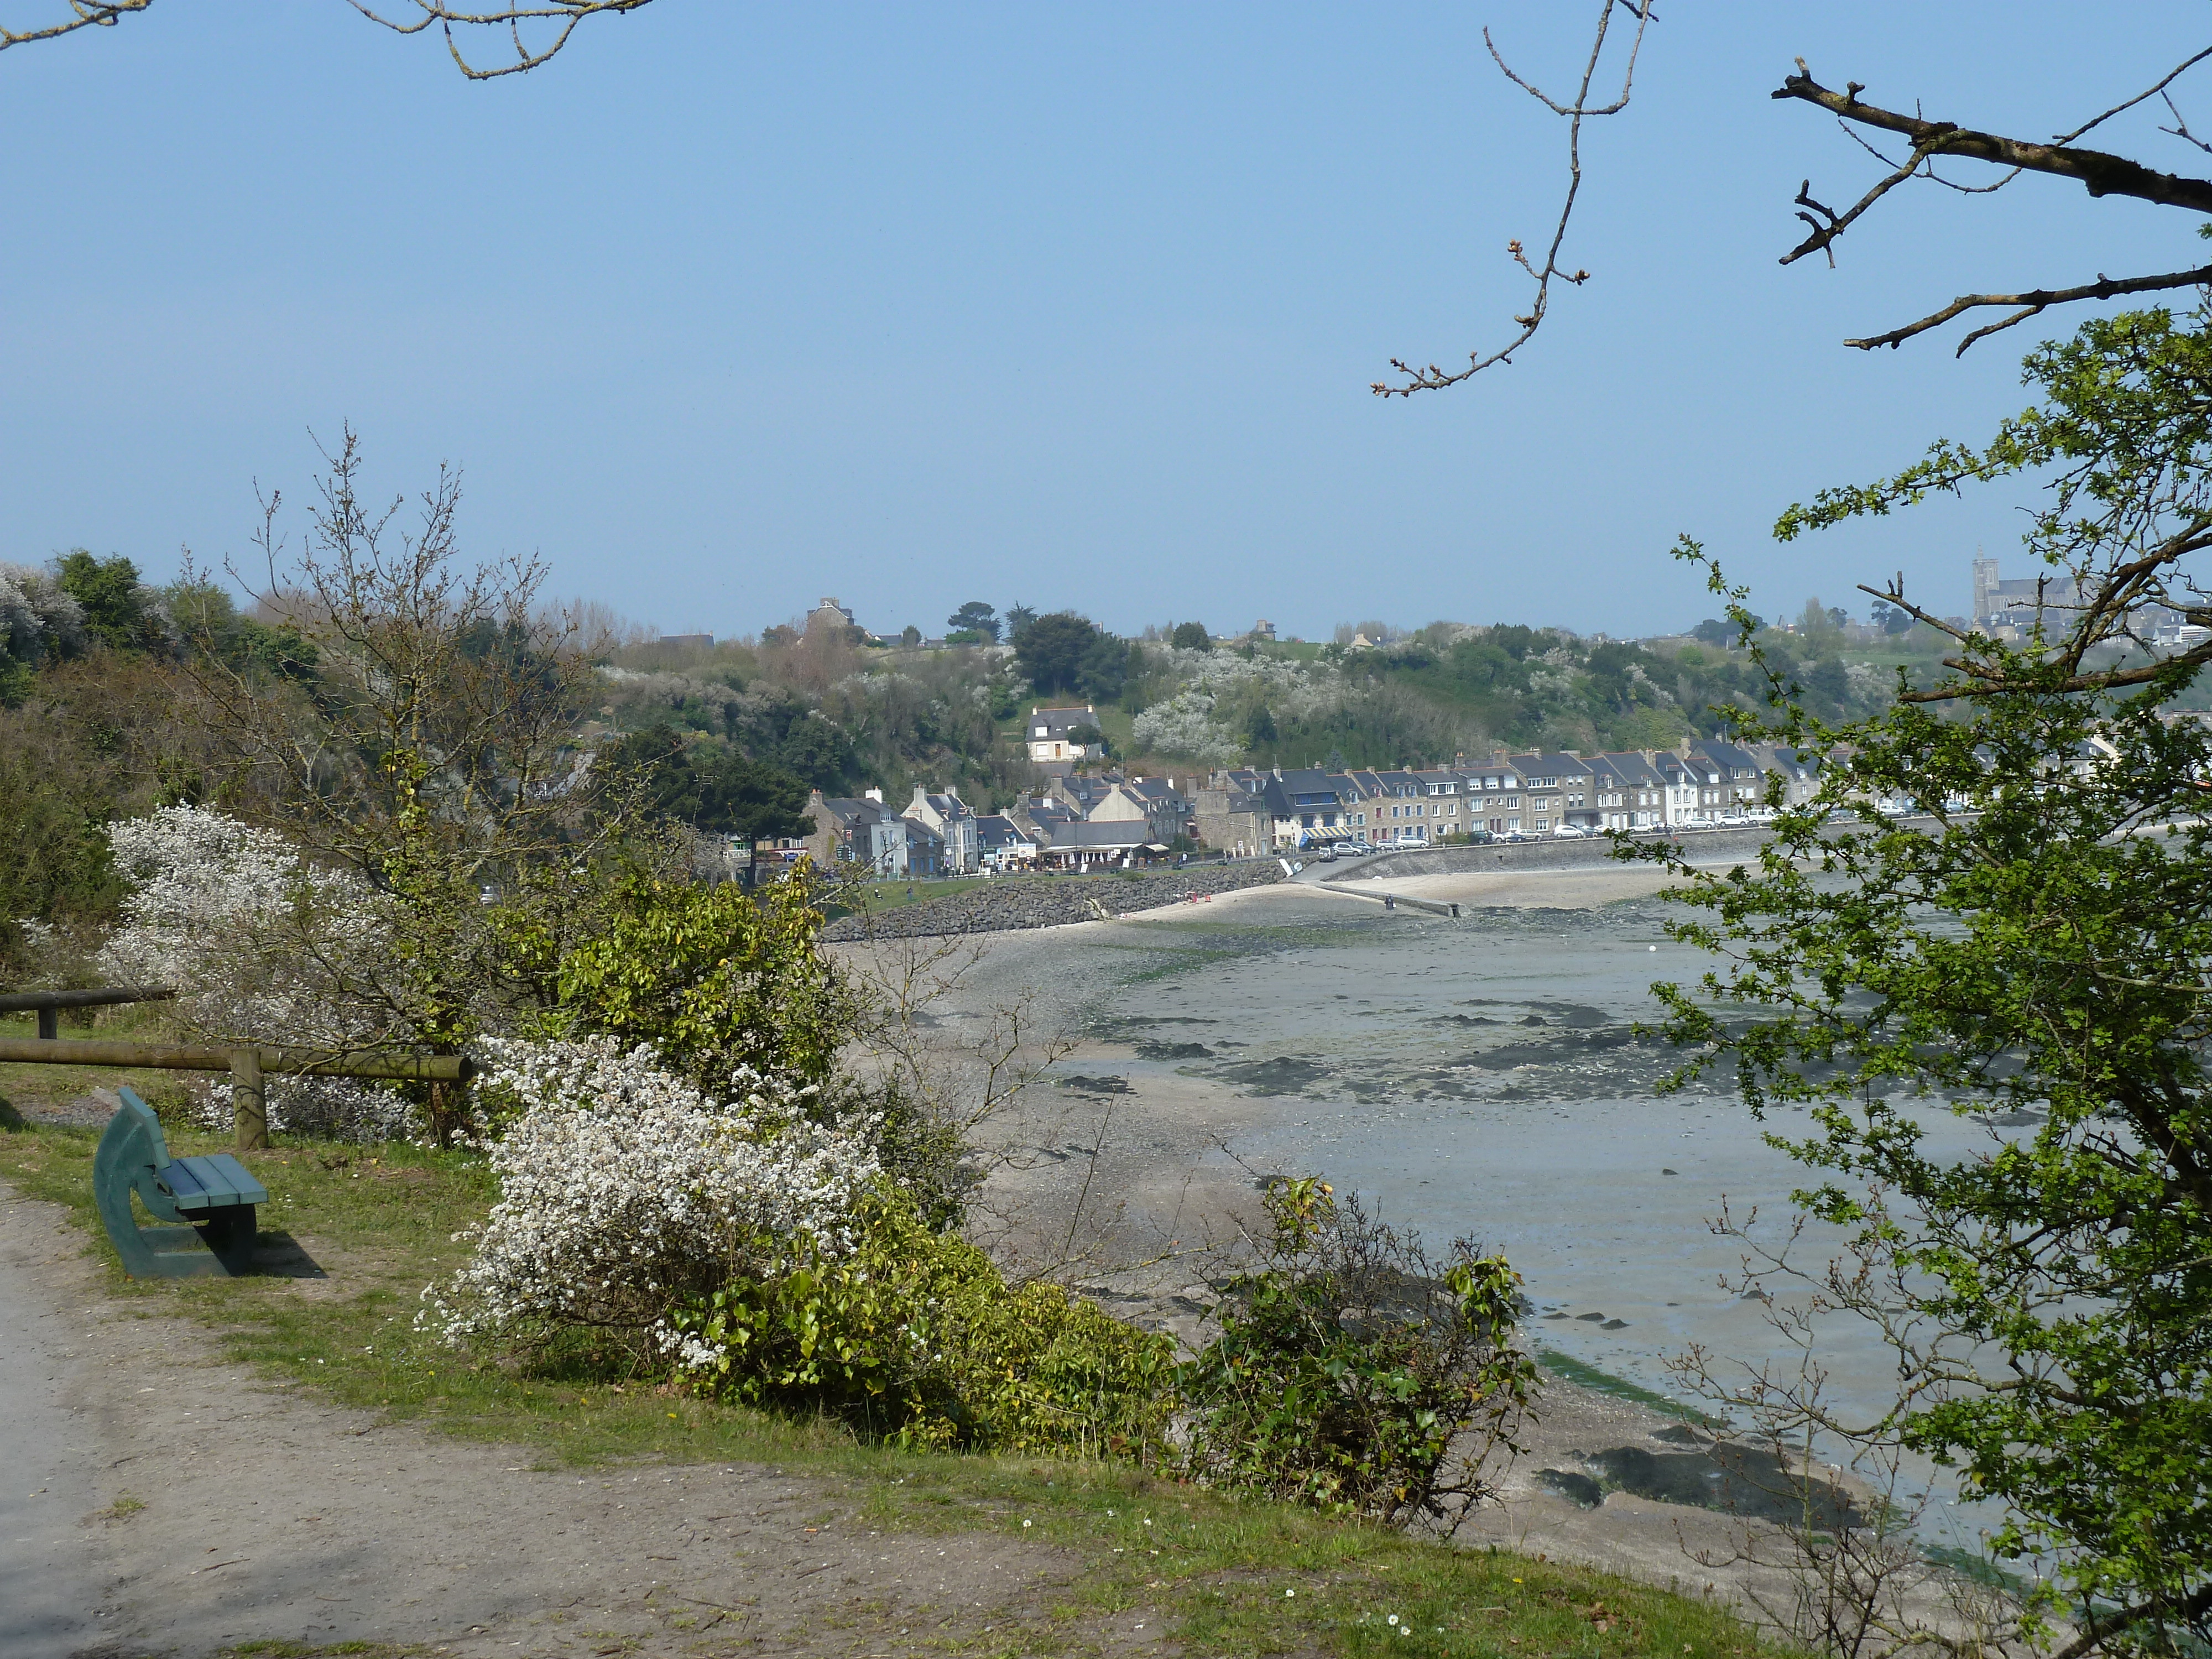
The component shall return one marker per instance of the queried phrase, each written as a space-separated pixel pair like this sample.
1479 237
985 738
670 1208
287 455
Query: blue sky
732 305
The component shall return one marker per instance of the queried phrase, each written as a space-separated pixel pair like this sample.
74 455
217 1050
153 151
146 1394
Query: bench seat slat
213 1182
181 1179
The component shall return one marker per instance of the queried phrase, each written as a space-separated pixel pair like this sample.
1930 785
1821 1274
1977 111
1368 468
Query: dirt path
270 1515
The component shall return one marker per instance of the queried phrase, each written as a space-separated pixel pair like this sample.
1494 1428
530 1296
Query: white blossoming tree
260 947
627 1192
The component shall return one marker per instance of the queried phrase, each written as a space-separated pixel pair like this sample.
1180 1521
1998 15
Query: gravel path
270 1515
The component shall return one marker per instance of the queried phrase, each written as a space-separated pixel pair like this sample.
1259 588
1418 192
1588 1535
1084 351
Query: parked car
1570 832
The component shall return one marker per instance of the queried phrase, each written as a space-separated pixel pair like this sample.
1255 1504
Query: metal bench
213 1196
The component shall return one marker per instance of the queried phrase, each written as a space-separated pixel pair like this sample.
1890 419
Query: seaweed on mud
1096 1086
1740 1481
1174 1051
1285 1075
1575 1016
1506 1056
1578 1489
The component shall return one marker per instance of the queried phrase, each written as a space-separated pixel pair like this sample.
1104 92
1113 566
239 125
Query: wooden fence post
249 1105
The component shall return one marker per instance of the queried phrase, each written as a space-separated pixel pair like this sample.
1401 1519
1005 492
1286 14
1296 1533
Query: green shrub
1354 1373
916 1338
717 981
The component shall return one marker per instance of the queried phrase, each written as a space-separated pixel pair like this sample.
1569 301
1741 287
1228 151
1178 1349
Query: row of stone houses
1107 820
1078 823
1246 811
933 834
1082 822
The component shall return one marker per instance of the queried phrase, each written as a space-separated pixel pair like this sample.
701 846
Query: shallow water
1486 1078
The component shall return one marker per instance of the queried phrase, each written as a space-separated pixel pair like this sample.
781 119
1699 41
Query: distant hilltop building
2009 609
693 641
1263 629
2015 604
829 614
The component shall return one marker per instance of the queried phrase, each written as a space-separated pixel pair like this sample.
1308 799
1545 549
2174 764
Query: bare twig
2031 301
562 16
1433 378
83 13
2180 127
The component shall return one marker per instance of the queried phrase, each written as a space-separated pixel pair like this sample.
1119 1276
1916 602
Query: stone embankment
1018 902
1698 846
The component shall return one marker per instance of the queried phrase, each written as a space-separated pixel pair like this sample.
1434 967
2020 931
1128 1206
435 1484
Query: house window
1543 824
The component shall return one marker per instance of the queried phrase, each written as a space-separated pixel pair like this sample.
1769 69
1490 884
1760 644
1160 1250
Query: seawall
1699 847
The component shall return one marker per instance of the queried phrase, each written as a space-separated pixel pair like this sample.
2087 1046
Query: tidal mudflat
1482 1076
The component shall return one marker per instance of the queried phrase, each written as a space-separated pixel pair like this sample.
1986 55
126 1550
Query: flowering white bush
1190 723
36 615
625 1193
259 946
1183 726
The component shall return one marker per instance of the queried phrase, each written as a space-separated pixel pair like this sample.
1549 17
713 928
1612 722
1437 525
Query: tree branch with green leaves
1997 913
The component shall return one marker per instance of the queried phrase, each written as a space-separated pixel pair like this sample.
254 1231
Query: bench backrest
132 1152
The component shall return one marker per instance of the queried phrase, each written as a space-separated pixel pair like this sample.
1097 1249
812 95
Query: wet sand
1559 890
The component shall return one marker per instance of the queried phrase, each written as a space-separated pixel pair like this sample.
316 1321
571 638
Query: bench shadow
277 1254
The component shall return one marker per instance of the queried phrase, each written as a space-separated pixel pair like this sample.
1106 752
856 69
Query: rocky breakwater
1018 902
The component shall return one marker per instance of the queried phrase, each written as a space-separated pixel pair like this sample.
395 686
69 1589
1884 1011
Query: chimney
875 795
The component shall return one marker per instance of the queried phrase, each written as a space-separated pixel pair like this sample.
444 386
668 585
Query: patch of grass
1597 1382
1222 1575
893 894
123 1507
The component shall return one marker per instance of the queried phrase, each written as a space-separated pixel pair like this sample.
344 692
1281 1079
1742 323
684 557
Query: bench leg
231 1233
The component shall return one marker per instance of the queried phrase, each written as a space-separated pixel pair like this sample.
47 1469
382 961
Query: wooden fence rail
246 1067
48 1004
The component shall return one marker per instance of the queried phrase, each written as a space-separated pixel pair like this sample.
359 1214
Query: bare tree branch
1433 378
2099 172
558 17
2156 89
563 15
2033 301
83 13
